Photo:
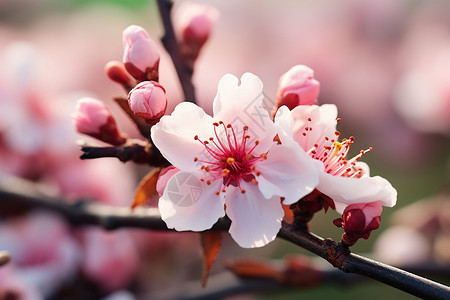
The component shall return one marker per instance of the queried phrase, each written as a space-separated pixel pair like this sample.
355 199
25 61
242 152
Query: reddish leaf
146 188
300 272
253 268
211 241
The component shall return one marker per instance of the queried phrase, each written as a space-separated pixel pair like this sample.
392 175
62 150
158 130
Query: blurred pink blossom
45 255
141 56
109 258
193 24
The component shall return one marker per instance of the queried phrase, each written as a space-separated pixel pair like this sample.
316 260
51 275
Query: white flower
345 181
230 163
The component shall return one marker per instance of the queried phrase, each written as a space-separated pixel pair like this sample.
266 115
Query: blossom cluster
249 167
247 161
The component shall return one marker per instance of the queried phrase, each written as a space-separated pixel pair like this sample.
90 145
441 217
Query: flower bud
117 73
148 101
93 118
358 221
141 56
297 87
193 24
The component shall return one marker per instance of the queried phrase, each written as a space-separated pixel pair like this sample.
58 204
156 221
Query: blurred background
383 63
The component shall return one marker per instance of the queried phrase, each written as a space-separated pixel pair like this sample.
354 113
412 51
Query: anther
230 160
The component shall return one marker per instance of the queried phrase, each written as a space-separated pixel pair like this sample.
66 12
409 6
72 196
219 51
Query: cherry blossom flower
346 181
231 160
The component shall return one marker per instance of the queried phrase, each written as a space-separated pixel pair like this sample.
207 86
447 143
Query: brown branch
169 41
340 257
20 194
138 151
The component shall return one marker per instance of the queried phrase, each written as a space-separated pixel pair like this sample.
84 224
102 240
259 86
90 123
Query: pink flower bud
116 72
358 221
141 56
93 118
297 87
193 24
148 101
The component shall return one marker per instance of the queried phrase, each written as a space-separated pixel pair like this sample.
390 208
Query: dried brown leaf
146 188
211 241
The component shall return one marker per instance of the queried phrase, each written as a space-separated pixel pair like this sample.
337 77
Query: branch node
336 253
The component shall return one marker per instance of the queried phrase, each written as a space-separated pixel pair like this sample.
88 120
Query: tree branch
19 194
340 257
169 41
133 150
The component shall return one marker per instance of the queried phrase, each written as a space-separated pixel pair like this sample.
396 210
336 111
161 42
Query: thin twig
133 150
16 193
169 41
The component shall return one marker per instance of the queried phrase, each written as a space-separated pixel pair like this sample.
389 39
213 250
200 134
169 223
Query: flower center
230 158
332 153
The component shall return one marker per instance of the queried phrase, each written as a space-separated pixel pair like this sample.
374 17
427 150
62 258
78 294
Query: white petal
285 124
323 122
174 135
348 191
255 221
189 204
288 172
242 105
230 93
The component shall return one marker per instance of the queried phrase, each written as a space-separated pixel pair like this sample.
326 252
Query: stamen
230 159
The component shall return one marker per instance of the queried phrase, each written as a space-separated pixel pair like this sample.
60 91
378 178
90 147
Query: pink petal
189 204
242 104
255 221
288 172
174 135
366 189
323 119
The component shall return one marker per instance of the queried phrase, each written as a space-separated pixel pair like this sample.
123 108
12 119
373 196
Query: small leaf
253 268
146 188
300 272
211 241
